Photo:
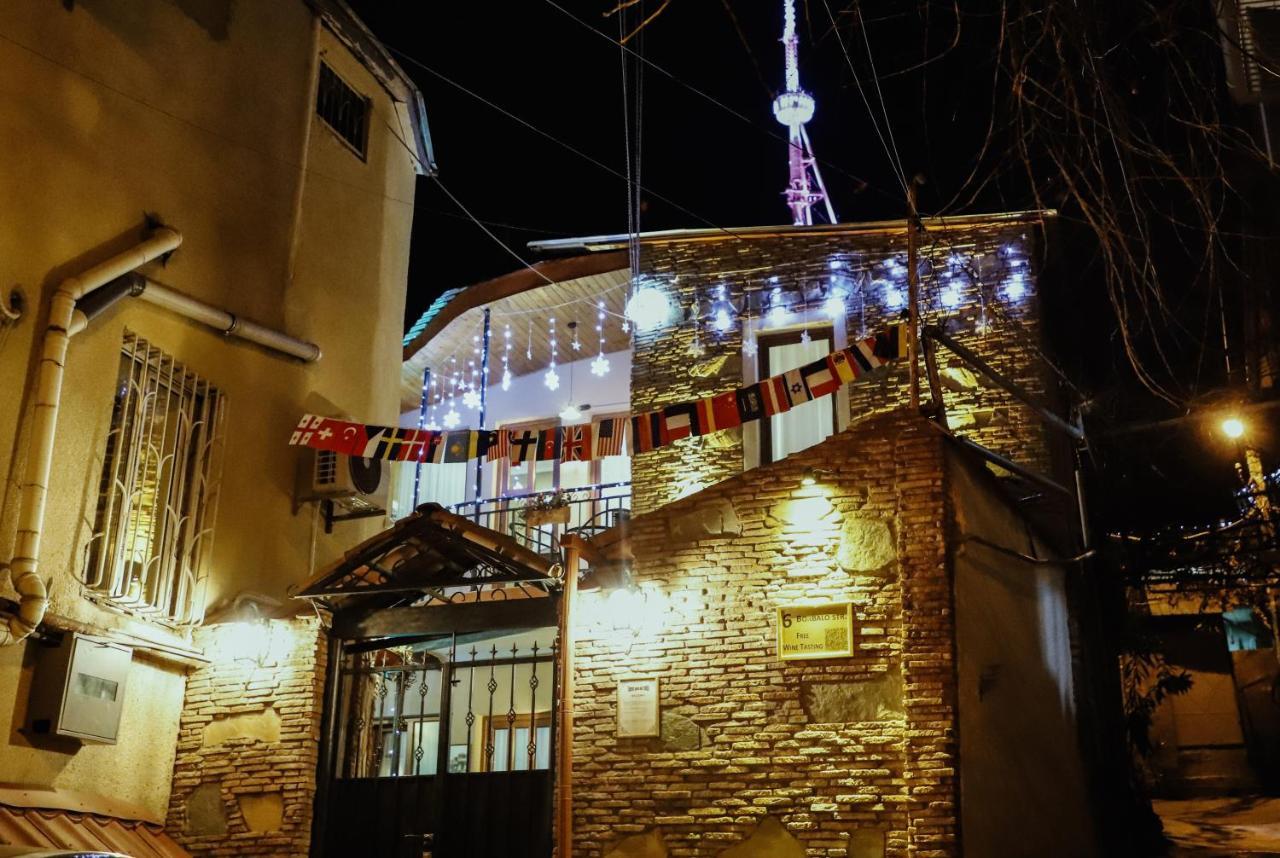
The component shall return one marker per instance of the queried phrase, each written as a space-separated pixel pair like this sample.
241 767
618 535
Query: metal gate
441 746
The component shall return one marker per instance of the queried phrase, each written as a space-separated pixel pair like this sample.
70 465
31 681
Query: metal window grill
343 109
158 498
1251 32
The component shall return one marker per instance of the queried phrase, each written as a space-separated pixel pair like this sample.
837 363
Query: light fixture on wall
811 475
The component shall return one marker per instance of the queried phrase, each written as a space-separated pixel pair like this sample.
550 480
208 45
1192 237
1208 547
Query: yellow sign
815 631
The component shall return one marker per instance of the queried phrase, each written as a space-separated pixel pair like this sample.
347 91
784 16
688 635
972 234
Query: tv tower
793 108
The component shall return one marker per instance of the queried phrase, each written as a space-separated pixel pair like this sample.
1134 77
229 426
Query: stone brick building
947 727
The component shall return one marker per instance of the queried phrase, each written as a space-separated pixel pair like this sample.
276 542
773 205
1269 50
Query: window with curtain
804 425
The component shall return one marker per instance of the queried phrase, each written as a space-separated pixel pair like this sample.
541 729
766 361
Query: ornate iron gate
441 745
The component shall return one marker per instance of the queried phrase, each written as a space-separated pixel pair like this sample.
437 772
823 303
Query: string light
1016 286
506 358
749 346
696 348
648 308
777 310
834 305
600 366
551 379
722 320
451 418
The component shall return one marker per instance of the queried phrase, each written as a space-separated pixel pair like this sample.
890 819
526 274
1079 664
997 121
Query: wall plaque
638 708
815 631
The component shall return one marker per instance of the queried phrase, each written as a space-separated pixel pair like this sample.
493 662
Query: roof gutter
75 303
596 243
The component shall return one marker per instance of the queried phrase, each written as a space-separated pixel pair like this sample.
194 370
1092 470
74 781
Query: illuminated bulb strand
551 378
506 359
600 366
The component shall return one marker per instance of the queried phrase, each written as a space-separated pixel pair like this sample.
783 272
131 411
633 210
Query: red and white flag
608 434
575 444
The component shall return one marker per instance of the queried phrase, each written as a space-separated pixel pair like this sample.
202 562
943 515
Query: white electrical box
79 688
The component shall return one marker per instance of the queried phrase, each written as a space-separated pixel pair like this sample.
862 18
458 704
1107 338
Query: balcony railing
591 509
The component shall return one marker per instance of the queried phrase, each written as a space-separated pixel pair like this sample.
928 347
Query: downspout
33 598
75 303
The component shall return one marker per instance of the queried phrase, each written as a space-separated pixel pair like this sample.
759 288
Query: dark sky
531 59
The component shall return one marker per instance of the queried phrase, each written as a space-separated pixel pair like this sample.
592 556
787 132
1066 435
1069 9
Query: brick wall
847 756
244 778
967 272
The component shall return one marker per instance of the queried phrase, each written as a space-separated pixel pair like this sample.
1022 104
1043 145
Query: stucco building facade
274 148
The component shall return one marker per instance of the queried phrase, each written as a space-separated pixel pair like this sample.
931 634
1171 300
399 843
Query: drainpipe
75 304
33 598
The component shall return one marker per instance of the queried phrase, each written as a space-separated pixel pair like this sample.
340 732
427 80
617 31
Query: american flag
608 435
575 444
498 445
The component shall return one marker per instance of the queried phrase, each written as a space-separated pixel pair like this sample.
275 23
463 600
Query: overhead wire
859 181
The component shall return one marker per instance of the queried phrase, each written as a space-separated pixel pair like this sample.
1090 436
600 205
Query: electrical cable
769 132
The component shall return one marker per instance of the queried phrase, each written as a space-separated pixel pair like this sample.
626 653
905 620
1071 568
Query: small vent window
343 109
153 526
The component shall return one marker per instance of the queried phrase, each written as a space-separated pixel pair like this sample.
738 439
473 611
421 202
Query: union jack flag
575 443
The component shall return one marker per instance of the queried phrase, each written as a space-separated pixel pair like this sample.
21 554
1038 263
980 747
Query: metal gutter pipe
76 302
225 322
33 597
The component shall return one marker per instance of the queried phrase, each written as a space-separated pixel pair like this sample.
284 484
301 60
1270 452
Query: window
153 525
806 424
343 109
513 747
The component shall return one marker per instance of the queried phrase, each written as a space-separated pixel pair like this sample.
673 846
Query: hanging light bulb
570 414
648 308
551 378
600 366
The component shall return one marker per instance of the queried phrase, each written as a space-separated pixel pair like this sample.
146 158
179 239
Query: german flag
841 367
891 343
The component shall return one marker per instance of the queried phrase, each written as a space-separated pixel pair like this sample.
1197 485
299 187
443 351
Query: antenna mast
793 108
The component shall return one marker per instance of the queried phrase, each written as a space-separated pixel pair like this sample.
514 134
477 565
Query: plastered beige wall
109 109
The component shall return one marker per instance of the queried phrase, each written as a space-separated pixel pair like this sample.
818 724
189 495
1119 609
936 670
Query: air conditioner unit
354 485
1251 45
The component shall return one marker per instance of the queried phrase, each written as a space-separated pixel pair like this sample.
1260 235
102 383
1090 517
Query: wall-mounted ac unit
79 688
355 486
1251 45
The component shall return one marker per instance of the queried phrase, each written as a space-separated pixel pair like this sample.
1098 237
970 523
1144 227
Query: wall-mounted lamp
811 476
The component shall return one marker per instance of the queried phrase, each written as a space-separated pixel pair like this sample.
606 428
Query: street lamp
1233 427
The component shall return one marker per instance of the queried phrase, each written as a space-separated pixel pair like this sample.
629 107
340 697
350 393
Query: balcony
591 509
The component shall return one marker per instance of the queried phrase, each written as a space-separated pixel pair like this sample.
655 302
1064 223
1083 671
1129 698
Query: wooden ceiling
527 313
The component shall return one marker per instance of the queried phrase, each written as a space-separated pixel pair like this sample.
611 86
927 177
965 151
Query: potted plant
547 508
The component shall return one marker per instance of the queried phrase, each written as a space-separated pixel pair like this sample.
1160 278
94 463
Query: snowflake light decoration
600 366
452 418
551 379
471 399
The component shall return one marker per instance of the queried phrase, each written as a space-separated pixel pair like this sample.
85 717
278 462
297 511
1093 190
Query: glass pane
542 758
521 750
445 484
421 759
544 477
807 424
501 750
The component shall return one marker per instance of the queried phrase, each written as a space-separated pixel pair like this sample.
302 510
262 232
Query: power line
561 143
457 202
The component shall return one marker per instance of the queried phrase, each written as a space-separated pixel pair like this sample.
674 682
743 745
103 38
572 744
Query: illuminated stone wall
244 778
849 756
977 279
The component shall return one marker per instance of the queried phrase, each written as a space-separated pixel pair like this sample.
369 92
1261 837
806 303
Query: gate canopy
396 582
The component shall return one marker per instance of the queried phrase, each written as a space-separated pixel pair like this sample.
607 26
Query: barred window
153 526
343 109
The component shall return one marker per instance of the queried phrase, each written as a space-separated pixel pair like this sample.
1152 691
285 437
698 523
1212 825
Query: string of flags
606 436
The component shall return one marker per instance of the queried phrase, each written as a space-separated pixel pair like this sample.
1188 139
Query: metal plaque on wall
815 631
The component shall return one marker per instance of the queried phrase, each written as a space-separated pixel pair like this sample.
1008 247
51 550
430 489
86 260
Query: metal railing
591 509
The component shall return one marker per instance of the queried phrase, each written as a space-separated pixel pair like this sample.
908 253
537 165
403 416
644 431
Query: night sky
536 62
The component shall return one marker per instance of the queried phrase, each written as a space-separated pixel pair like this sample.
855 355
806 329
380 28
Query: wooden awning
430 561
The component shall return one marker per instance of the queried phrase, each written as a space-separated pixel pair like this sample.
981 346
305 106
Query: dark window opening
343 109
